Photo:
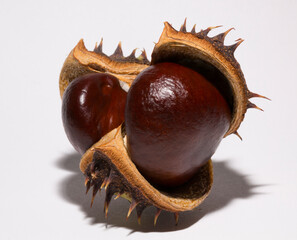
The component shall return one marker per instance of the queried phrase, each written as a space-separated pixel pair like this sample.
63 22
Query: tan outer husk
219 56
112 145
80 61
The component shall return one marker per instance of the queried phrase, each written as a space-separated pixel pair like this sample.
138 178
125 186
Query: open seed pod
80 61
107 163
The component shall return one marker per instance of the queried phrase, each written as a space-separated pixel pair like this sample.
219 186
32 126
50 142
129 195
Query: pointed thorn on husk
194 29
106 205
221 37
176 217
233 47
139 211
101 44
143 54
229 30
95 190
108 180
131 208
87 181
98 49
118 52
88 187
104 182
253 95
210 28
108 197
237 134
92 201
107 183
183 27
156 216
132 55
252 105
117 196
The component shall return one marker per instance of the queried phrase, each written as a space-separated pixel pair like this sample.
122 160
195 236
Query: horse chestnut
179 107
175 120
93 105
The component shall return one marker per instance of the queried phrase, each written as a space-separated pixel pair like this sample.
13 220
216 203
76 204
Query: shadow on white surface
228 185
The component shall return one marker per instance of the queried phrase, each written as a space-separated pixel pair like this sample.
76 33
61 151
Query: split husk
107 164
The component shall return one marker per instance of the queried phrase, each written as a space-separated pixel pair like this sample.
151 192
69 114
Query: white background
42 191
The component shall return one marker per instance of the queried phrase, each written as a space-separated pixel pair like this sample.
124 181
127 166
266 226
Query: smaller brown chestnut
93 105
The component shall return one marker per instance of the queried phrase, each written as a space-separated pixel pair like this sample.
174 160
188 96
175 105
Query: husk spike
256 95
98 49
183 27
176 217
131 208
193 31
221 37
157 216
237 134
118 52
252 105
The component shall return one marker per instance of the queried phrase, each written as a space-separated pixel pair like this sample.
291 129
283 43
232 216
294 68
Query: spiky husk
80 61
107 164
197 45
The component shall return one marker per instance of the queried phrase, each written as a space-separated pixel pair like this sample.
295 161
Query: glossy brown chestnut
93 105
175 120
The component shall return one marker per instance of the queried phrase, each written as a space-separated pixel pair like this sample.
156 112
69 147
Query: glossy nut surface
93 105
175 120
